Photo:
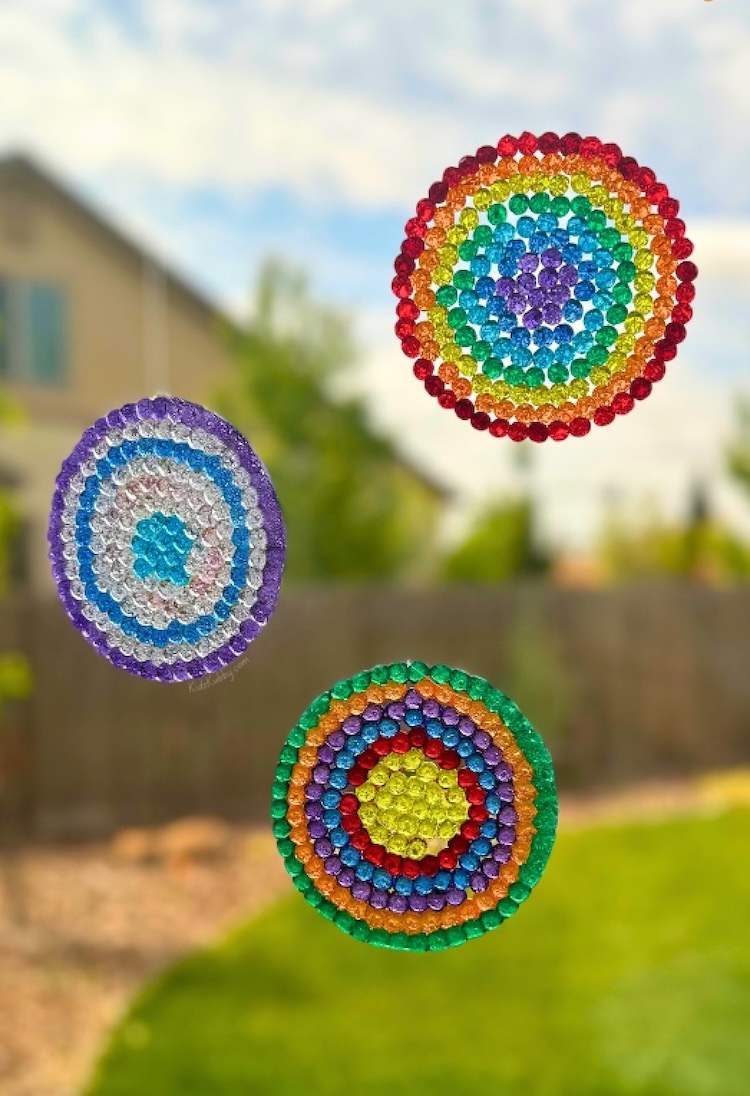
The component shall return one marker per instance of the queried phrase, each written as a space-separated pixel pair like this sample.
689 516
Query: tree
353 509
738 455
536 676
8 531
701 549
498 547
15 684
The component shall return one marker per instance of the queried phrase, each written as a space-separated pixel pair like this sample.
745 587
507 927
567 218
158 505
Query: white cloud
722 249
337 101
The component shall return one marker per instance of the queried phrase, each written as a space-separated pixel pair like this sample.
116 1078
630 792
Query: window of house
33 332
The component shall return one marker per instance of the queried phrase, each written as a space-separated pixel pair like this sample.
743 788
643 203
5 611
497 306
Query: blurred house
89 320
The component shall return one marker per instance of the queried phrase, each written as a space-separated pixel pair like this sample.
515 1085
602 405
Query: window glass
45 333
33 332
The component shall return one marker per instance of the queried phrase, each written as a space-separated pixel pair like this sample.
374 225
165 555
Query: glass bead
558 373
518 204
644 281
483 235
605 279
593 320
580 205
457 318
449 255
539 203
500 190
446 295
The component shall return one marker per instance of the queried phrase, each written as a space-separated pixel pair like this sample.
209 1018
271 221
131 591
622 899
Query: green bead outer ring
528 741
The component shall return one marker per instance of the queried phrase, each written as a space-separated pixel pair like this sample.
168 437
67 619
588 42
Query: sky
221 132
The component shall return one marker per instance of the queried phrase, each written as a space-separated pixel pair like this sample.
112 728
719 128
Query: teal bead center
161 546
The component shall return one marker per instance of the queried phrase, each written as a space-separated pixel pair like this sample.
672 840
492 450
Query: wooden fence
625 684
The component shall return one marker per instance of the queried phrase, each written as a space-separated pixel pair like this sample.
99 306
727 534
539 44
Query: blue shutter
4 332
46 334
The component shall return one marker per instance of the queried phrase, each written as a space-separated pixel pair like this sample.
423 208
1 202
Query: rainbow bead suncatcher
543 285
414 806
166 540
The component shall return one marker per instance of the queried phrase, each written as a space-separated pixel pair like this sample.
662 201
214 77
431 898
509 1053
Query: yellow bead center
409 801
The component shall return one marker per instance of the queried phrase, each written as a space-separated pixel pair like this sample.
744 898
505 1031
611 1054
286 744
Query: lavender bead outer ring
166 540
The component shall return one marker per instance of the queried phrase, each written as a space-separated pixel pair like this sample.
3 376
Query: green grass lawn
626 972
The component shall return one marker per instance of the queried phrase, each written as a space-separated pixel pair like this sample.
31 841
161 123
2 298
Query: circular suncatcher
166 540
543 285
414 806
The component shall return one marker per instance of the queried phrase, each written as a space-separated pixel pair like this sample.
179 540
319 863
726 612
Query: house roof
20 169
28 174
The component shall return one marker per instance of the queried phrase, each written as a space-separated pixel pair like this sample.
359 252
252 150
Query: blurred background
206 200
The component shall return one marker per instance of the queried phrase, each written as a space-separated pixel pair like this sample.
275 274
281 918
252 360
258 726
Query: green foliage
498 547
8 530
738 457
9 410
9 413
353 509
536 677
700 549
15 674
624 975
703 551
15 678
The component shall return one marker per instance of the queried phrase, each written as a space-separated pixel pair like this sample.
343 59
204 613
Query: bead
687 271
423 369
623 403
640 388
507 146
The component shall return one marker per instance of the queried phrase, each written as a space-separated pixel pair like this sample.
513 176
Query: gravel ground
98 927
100 920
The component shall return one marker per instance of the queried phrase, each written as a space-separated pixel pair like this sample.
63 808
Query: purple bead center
538 295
